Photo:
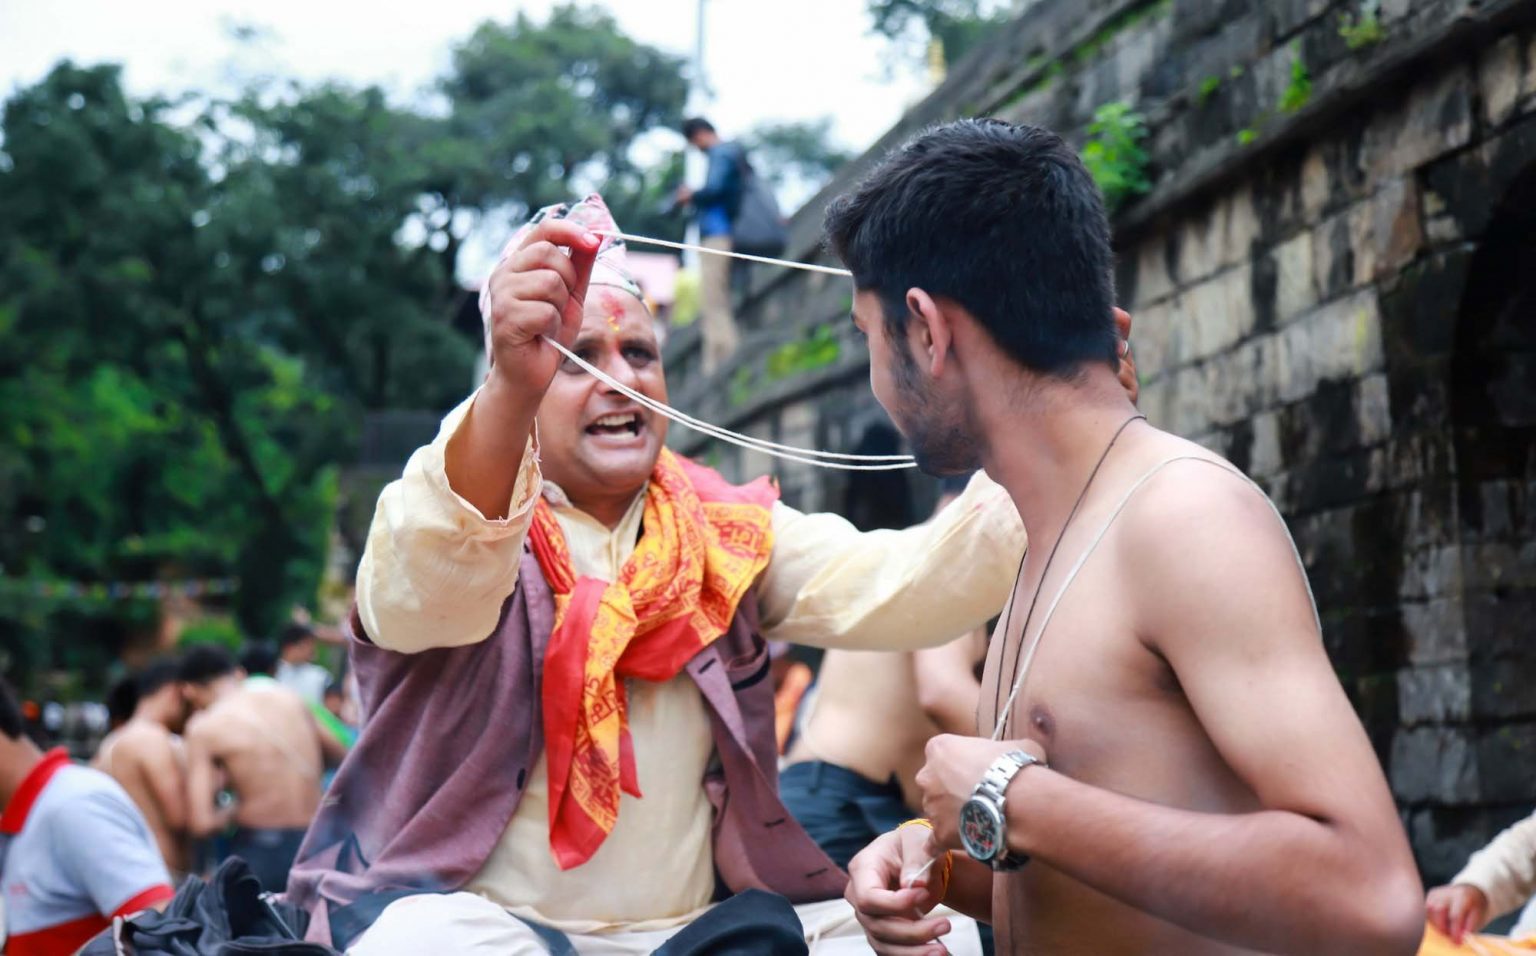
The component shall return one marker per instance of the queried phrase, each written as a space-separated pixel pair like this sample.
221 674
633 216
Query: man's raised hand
537 290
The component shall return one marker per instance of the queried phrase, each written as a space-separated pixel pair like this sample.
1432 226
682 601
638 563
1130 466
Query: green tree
149 426
540 112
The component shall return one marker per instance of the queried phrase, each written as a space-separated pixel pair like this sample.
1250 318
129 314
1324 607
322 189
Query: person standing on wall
735 212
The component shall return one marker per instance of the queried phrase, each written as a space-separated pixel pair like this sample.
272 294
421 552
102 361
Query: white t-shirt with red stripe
76 853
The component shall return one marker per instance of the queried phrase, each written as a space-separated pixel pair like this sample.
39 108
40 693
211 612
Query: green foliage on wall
1114 155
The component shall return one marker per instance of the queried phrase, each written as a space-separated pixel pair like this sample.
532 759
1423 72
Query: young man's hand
955 765
892 912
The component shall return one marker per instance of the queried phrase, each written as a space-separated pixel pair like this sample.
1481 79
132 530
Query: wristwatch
983 821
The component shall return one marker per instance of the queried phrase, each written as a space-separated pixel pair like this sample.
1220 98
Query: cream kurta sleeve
1505 870
435 571
831 585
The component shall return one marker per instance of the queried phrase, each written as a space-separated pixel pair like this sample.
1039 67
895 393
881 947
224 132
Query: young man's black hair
155 675
1003 220
695 125
293 634
203 663
259 658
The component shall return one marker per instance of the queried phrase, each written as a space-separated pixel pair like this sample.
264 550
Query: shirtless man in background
146 757
1177 769
258 740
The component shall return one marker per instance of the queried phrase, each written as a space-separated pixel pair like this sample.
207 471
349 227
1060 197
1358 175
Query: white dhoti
468 925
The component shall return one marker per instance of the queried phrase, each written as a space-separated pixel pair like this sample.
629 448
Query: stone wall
1340 295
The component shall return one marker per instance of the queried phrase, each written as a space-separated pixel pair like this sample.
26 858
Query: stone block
1199 247
1506 763
1496 509
1434 764
1435 119
1499 80
1315 185
1264 456
1295 292
1154 282
1431 572
797 424
1429 516
1504 691
1238 383
1500 566
1340 340
1333 258
1156 401
1397 232
1528 82
1152 330
1498 626
1434 695
1436 631
1221 311
1189 413
1373 409
1240 226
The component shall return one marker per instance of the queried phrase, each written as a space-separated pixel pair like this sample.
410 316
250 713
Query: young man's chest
1094 691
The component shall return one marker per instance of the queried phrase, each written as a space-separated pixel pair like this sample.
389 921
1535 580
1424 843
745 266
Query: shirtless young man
145 756
1209 789
257 739
851 773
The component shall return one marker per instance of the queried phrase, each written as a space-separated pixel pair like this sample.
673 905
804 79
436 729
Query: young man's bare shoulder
1196 494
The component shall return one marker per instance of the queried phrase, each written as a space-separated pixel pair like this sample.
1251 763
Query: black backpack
758 228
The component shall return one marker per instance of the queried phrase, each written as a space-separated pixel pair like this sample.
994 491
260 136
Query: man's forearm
485 454
1308 887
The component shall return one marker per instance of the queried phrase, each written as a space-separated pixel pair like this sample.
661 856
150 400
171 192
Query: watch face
981 829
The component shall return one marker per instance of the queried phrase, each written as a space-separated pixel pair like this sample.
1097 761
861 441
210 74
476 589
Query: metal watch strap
994 788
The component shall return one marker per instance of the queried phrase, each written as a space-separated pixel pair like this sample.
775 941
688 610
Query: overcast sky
785 60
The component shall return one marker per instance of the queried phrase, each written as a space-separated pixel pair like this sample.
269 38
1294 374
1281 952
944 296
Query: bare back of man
1118 691
148 761
864 717
264 742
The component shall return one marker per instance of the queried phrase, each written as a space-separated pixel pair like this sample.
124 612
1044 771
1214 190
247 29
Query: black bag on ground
758 229
227 916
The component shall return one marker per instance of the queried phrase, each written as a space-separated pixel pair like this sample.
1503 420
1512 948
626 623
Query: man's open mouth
625 423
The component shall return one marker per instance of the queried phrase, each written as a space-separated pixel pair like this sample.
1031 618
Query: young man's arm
947 688
204 779
1324 867
166 774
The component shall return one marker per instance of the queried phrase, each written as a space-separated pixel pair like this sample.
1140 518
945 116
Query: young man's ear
929 333
1127 373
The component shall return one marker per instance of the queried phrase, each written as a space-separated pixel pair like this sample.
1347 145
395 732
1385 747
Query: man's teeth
617 421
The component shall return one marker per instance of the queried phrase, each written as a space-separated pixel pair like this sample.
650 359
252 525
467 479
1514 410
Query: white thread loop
808 456
787 263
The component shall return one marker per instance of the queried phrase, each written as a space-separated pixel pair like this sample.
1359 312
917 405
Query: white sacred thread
787 263
808 456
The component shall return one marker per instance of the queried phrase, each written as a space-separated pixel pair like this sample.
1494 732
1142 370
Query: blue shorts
841 810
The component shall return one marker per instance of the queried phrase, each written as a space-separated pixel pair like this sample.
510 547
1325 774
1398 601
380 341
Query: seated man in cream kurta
547 488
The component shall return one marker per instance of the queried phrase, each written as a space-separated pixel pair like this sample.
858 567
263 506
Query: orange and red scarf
703 543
